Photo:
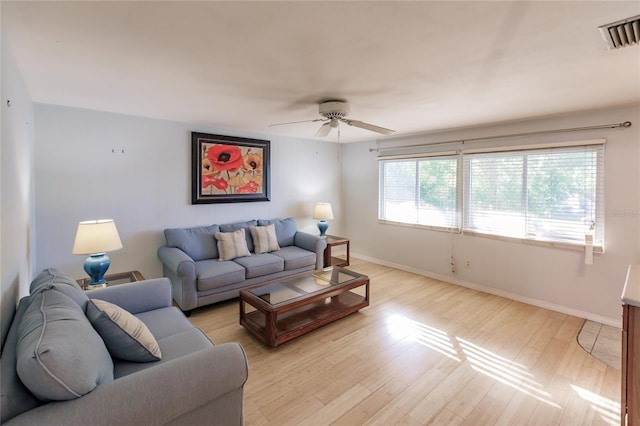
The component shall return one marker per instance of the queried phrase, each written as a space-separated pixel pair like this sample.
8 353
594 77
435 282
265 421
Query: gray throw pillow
59 355
125 336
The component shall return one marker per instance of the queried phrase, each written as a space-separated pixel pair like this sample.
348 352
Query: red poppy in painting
250 188
220 183
207 181
225 157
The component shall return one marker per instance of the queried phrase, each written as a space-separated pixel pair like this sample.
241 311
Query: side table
113 279
332 259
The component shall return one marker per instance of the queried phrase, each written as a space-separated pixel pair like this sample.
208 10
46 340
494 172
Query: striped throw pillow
124 335
264 238
232 244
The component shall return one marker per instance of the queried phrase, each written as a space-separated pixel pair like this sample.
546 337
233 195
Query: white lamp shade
96 236
323 211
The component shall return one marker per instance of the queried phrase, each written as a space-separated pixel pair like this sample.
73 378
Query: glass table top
289 289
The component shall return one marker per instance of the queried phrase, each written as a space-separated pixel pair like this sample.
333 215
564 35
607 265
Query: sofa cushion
199 243
295 257
261 264
124 335
51 278
173 347
285 229
241 225
213 274
264 238
59 355
15 398
232 244
165 322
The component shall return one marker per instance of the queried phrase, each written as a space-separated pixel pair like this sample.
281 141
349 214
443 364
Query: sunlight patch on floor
501 369
608 410
505 371
404 328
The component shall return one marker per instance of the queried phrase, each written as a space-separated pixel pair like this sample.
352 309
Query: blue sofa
58 370
198 277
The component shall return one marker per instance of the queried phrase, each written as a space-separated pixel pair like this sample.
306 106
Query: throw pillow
125 336
285 230
264 238
232 244
59 355
230 227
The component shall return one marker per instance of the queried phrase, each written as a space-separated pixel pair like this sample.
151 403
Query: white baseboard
613 322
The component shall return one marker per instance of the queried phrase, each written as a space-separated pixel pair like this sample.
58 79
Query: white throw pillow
264 238
232 244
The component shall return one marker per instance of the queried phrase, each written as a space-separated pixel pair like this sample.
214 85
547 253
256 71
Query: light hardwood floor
424 352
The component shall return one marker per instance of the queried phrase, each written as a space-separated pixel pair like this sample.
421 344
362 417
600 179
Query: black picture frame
229 169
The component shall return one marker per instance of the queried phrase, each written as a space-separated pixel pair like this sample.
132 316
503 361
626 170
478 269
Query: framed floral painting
228 169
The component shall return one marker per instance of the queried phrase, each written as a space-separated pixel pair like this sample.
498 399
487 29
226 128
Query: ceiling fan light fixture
335 111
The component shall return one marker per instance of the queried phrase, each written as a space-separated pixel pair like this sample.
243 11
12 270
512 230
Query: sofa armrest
177 261
136 297
312 243
153 396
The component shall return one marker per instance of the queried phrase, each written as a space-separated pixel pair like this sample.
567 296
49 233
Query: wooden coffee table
282 310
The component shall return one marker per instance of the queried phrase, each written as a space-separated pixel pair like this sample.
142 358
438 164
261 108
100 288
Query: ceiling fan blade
324 129
367 126
296 122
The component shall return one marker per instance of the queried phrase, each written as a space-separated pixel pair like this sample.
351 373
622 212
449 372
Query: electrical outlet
468 263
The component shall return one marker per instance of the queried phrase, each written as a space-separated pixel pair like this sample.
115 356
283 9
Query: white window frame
462 194
416 159
599 210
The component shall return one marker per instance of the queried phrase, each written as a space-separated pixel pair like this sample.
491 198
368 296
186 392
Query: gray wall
92 165
541 275
16 193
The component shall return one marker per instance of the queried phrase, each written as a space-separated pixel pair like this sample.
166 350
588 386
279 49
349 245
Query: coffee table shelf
301 305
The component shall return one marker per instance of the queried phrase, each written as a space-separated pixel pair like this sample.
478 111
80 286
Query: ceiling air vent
622 33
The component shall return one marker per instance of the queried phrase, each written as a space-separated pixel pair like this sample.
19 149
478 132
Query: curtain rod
625 125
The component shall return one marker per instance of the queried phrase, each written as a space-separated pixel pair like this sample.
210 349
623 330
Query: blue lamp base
95 266
323 226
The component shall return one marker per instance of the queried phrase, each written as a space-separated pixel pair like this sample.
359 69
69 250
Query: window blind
554 194
419 191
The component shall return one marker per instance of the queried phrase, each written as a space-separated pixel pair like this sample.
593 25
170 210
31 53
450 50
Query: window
553 194
419 191
548 194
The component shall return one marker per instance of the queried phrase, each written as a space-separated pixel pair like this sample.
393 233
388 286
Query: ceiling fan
335 112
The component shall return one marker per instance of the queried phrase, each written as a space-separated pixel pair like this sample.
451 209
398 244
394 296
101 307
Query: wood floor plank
375 402
424 352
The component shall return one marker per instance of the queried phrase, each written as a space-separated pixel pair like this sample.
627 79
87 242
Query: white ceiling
408 66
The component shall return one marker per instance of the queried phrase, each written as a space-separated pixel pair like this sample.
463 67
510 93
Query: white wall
550 277
82 173
16 187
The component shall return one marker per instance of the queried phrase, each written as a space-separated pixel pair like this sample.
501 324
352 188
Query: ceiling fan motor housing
334 109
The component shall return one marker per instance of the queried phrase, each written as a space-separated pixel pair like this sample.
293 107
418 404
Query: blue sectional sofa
199 277
60 366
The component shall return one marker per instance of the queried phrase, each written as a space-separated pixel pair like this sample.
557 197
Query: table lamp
95 238
323 212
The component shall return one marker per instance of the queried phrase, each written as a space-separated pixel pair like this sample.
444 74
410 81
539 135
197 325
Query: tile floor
602 341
